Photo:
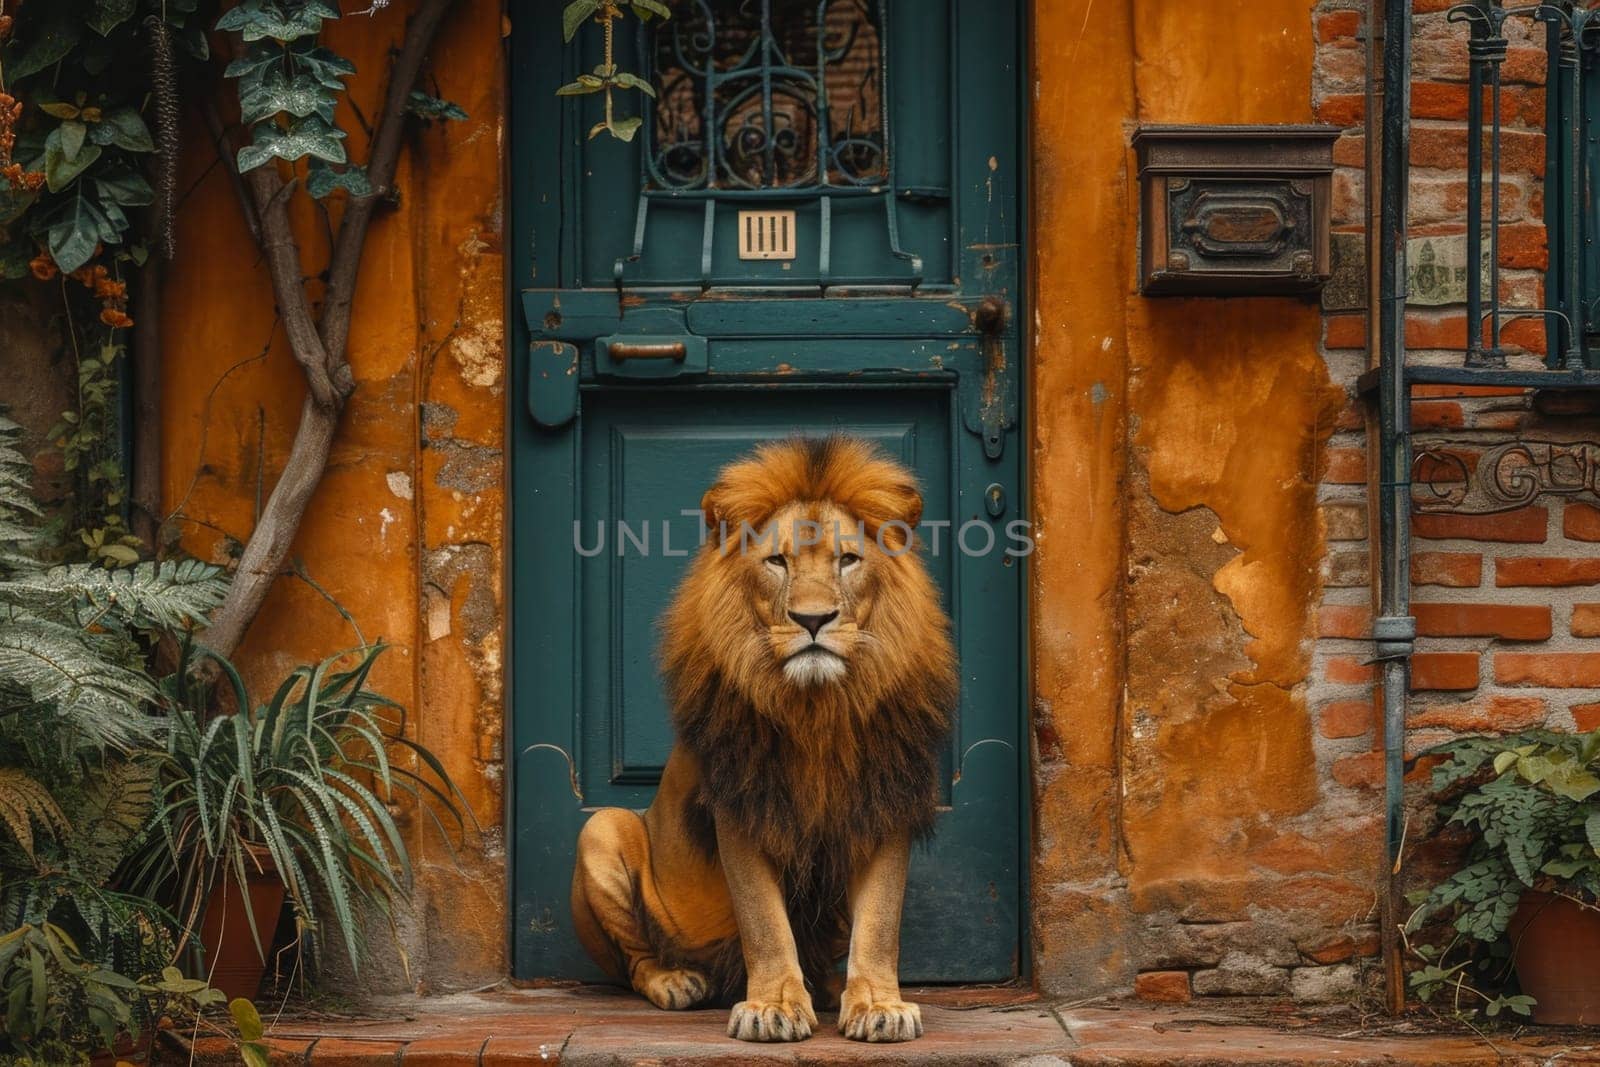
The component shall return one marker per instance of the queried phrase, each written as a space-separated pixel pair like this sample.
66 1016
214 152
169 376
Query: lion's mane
816 776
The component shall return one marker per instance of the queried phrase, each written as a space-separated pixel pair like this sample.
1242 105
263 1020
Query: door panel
655 355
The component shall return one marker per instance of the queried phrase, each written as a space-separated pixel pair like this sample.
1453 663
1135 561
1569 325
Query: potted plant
287 799
1523 900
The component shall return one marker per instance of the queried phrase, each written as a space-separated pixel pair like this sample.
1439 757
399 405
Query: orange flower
114 318
43 267
108 289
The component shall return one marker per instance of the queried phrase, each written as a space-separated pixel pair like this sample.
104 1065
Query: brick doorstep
589 1025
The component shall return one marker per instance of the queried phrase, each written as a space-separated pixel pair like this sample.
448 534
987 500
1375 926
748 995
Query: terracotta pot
1557 952
232 963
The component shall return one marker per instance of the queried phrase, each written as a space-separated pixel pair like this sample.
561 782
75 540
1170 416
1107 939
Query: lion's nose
813 623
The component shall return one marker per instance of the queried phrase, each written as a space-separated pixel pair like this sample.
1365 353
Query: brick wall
1507 604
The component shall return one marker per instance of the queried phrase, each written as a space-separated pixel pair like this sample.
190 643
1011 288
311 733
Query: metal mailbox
1234 210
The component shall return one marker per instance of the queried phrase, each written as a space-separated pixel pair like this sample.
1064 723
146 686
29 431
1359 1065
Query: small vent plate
766 235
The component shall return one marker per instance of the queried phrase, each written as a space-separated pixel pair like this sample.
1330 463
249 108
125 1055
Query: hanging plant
606 77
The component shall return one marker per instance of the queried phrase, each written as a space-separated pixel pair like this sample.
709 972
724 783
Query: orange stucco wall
1175 451
406 530
1177 783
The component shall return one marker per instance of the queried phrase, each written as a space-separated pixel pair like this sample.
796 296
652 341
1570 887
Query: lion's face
814 585
809 583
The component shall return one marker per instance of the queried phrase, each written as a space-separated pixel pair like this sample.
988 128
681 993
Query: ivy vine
75 85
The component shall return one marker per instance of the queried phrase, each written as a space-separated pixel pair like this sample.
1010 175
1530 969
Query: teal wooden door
816 229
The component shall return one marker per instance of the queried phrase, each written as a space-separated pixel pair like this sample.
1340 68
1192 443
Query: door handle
650 355
673 350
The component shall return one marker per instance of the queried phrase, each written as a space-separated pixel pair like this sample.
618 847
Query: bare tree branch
381 162
219 140
319 348
282 251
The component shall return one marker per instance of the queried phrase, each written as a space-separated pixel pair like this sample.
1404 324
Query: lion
811 677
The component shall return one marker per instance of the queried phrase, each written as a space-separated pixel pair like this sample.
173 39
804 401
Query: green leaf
57 34
257 20
632 81
126 187
645 8
72 137
322 180
258 57
61 171
60 110
74 231
304 137
1504 760
573 15
585 84
621 129
123 127
326 66
246 1018
275 92
429 108
254 1054
109 14
13 202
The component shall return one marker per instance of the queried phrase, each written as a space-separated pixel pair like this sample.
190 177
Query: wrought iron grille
775 100
753 94
1572 115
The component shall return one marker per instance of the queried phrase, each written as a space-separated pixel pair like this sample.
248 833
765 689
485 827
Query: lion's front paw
771 1020
673 989
889 1020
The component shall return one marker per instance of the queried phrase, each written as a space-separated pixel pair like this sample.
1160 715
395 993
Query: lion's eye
778 562
848 559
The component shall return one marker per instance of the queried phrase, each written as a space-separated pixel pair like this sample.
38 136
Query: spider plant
305 779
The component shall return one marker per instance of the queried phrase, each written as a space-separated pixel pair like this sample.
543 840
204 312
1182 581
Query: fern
57 667
23 802
68 655
168 595
115 813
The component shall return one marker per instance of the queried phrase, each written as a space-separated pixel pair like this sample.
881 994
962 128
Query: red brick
1164 987
1437 415
1498 714
1345 331
1346 522
1558 670
1350 150
1586 620
1348 670
1445 148
1587 716
1444 670
1581 522
1346 466
1459 570
1448 100
1523 526
1336 948
1359 772
1342 109
1346 718
1449 331
1514 622
1344 620
1336 24
1523 246
1546 570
